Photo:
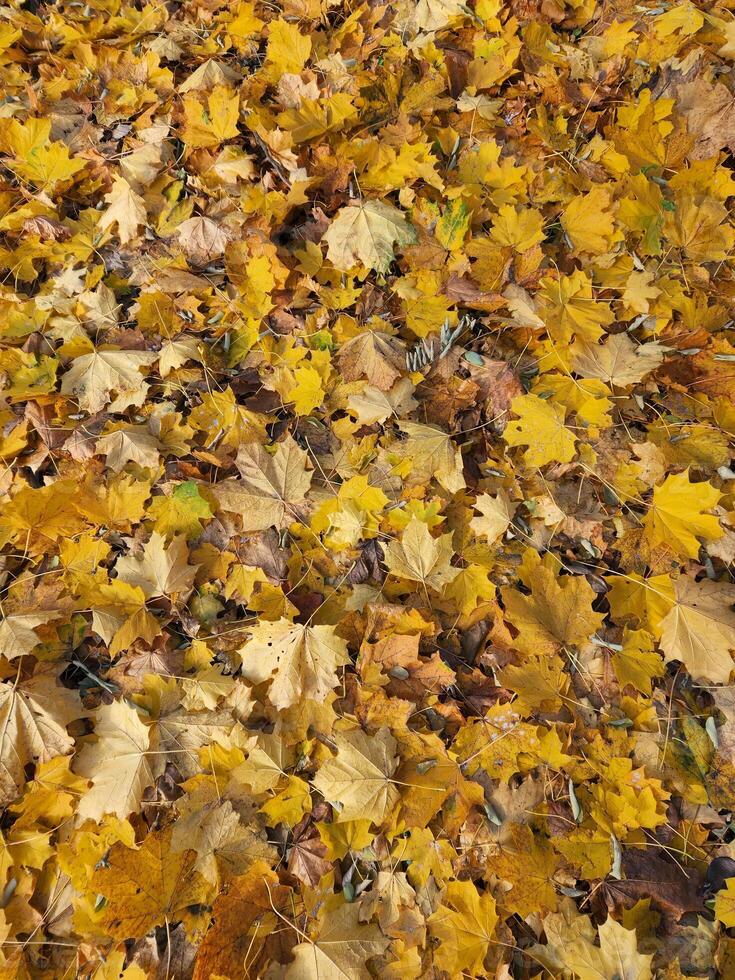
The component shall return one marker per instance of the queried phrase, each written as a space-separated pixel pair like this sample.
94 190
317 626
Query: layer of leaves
367 521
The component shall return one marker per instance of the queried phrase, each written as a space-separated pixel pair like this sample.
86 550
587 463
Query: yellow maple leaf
38 160
569 308
464 924
357 780
126 209
520 229
497 513
431 452
118 764
540 427
557 613
213 123
300 661
570 947
645 600
341 948
677 516
589 222
180 513
699 629
637 663
315 117
307 392
419 557
725 904
288 49
93 377
366 232
586 397
470 586
172 890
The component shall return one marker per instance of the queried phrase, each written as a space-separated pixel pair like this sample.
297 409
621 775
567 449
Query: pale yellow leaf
357 781
365 234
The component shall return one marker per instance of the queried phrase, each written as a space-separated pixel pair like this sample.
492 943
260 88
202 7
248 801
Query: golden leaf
300 661
357 781
366 233
419 557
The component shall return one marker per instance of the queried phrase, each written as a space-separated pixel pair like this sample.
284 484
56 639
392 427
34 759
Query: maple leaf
375 355
120 764
300 661
558 612
130 444
162 571
570 946
225 847
432 15
17 632
725 903
619 952
419 557
175 353
677 517
126 210
37 159
148 886
645 600
426 856
245 916
471 586
308 393
637 663
357 780
265 765
528 864
33 717
699 629
618 361
315 117
366 233
540 427
270 485
708 111
589 223
521 229
464 924
453 226
92 377
341 949
572 310
372 405
497 513
432 453
180 513
210 126
201 239
288 48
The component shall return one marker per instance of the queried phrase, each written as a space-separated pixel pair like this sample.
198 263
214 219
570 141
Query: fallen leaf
419 557
92 378
366 233
162 571
699 630
120 764
357 781
300 661
126 209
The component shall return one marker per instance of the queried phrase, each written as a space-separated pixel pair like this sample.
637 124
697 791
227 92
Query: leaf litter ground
367 525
